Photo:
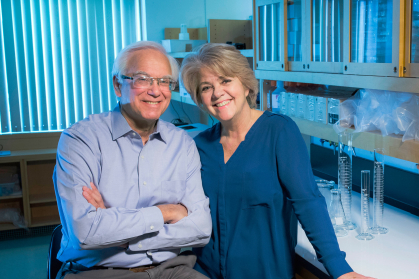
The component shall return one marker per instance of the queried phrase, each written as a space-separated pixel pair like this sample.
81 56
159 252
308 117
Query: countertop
394 255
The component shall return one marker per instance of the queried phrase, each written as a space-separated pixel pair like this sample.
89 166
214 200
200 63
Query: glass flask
371 31
345 176
336 213
378 193
365 203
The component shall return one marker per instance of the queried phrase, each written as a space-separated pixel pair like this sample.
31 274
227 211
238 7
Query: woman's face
223 97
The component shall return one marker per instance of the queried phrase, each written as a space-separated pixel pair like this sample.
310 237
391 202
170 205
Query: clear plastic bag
12 215
386 111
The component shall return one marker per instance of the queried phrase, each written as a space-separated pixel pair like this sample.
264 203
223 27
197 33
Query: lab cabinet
270 25
356 37
371 39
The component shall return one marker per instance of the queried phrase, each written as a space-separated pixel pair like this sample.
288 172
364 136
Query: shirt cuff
153 219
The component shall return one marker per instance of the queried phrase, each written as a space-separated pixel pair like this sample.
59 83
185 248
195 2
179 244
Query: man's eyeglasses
141 81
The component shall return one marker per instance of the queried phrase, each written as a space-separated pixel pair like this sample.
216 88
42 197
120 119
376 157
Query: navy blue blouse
251 198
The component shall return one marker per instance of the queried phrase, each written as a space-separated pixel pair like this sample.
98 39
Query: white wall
194 13
172 13
229 9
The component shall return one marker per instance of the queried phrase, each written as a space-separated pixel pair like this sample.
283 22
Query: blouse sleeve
296 178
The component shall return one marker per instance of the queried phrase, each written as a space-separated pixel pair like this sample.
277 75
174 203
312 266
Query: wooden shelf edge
7 227
394 147
42 198
11 197
45 221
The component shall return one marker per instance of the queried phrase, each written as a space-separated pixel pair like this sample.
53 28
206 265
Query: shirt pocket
173 191
258 190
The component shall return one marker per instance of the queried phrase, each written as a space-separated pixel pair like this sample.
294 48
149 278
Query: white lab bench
394 255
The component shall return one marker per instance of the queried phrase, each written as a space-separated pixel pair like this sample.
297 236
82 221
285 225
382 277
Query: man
144 172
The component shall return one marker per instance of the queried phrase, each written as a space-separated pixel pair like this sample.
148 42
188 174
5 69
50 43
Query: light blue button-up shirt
132 178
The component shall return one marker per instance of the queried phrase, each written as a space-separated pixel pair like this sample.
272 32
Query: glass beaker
365 203
345 176
336 213
378 193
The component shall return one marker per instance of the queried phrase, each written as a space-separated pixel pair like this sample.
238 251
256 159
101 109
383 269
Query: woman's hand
93 196
354 275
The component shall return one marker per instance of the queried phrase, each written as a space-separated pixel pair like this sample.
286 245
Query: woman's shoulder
278 121
208 136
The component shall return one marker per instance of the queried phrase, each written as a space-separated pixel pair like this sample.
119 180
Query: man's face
144 105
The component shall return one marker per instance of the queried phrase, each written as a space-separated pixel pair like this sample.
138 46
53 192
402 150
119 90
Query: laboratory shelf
399 84
408 150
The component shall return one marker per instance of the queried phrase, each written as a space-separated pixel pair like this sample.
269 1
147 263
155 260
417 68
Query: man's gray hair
121 60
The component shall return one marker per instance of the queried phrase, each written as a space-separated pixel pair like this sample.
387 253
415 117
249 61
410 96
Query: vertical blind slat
11 66
75 60
57 64
48 65
67 71
110 51
39 66
30 66
116 19
91 53
21 68
4 96
103 75
84 57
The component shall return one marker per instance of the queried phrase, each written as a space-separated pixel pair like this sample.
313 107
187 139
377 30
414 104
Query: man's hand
173 213
93 196
354 275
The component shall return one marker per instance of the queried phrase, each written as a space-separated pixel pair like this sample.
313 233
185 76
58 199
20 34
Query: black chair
54 265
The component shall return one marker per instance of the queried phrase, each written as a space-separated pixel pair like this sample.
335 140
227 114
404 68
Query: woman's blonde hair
222 59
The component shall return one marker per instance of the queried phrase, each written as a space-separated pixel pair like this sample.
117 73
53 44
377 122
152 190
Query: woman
255 170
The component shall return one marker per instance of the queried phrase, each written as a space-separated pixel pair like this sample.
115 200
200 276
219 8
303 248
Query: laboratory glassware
365 203
294 28
336 213
270 32
322 183
378 193
327 31
371 31
345 175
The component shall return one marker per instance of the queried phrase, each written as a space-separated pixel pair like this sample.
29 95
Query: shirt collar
120 126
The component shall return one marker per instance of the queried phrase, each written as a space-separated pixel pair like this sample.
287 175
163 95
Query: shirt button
145 183
149 253
142 157
151 227
140 245
133 134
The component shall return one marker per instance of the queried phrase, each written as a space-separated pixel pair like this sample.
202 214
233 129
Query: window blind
56 59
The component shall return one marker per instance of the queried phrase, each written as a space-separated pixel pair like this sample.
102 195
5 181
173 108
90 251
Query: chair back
54 265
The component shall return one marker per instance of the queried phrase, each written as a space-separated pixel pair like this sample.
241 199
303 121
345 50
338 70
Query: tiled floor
24 258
